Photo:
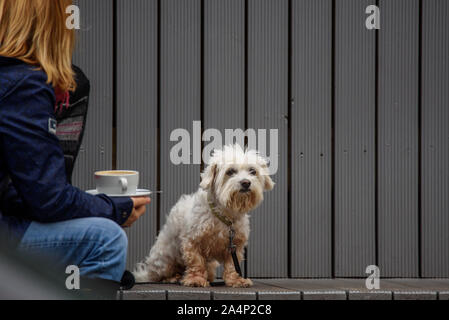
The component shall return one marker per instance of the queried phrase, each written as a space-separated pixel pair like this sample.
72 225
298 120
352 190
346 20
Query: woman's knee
111 248
109 232
119 241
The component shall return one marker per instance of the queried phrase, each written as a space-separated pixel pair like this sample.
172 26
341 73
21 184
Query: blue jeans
96 245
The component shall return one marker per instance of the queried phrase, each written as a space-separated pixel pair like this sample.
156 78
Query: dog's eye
252 171
231 172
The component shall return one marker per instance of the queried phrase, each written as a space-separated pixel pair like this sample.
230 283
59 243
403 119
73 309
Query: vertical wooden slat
354 139
137 110
224 45
398 138
180 94
224 70
268 109
435 139
311 138
94 56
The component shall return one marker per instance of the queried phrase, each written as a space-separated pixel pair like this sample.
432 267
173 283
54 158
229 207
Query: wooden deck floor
299 289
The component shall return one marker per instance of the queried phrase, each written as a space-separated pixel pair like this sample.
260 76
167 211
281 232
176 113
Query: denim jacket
32 159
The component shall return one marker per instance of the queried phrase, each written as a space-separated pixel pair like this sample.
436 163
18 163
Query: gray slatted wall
435 139
137 110
267 109
321 232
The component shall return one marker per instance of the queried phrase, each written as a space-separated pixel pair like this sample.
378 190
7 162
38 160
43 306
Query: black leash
233 250
232 247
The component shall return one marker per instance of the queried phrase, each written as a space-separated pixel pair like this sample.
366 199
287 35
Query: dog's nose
245 184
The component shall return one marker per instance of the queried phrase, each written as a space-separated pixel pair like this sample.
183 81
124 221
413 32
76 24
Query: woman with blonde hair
39 208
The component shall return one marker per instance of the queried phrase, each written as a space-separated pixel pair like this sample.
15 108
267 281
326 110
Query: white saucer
139 193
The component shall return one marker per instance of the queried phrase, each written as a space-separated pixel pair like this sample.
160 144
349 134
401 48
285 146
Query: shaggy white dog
195 237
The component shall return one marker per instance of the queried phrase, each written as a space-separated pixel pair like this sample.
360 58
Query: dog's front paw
195 281
239 283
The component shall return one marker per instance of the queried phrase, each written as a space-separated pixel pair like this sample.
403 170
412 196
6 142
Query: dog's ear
268 183
208 176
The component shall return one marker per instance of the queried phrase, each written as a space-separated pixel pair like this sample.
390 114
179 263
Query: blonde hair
34 32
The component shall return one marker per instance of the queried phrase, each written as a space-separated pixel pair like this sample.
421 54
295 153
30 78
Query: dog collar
221 217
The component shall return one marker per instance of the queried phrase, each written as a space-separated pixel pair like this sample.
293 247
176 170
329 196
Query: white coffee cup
117 181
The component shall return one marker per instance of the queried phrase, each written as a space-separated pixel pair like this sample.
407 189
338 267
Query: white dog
195 237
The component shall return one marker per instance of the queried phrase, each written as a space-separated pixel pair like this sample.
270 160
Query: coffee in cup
117 182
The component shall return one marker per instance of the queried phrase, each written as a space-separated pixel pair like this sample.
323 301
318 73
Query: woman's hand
138 210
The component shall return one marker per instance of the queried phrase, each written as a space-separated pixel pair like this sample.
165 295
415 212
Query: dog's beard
243 202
